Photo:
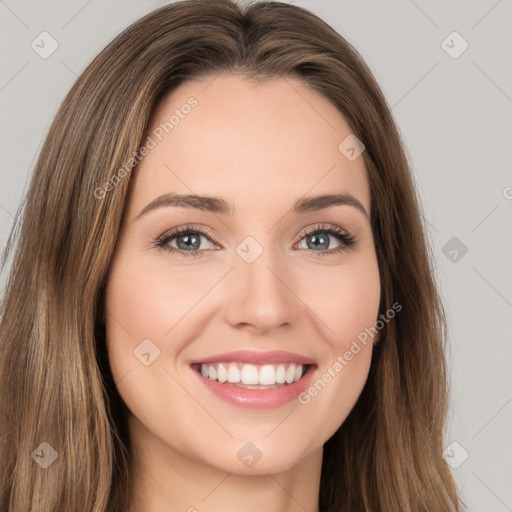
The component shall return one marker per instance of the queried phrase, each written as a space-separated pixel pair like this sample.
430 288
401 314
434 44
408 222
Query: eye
319 237
186 240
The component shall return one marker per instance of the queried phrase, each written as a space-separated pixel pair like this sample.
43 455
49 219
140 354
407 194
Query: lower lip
258 398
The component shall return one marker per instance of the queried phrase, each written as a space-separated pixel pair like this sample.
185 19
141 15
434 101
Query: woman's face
253 287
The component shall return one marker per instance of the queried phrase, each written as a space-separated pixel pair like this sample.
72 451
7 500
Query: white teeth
290 373
267 375
212 372
280 374
222 373
233 373
249 374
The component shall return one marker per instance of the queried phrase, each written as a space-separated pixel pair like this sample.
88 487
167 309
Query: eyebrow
220 206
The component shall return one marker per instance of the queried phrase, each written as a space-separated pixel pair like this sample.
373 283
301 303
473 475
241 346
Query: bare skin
261 147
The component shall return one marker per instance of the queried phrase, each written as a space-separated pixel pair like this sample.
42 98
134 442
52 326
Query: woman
221 293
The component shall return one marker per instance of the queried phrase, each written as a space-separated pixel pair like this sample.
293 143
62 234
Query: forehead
269 142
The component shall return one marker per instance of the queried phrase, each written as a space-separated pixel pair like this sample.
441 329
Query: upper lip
255 357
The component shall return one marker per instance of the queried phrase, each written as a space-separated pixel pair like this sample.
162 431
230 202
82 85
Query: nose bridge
259 292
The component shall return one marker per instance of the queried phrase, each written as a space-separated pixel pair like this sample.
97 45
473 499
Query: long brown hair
55 382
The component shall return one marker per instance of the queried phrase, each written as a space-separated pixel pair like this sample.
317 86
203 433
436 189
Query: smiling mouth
252 376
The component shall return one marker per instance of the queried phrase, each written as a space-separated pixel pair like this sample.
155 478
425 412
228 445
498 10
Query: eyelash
347 240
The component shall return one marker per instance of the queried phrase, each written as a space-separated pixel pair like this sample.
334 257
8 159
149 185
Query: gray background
454 112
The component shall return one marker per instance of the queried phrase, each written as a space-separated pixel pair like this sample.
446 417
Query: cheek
344 298
151 307
356 303
347 308
131 304
338 384
146 300
143 304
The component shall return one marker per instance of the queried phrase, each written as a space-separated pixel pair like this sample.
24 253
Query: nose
260 295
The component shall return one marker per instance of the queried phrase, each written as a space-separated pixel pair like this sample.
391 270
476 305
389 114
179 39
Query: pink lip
253 357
